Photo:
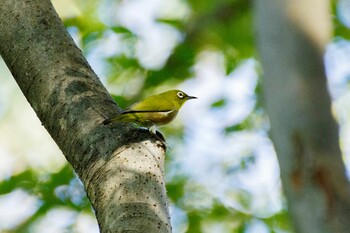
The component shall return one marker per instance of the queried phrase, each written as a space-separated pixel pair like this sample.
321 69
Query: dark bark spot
45 22
76 87
297 174
320 177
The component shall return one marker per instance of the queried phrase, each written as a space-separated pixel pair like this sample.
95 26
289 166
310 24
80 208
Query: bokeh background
222 173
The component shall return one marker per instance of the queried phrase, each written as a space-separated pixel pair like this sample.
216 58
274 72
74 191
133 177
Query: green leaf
219 103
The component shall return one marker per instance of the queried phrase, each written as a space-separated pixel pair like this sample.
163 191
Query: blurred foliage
53 191
341 28
224 26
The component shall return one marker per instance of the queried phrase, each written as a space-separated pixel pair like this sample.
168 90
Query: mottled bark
291 38
120 167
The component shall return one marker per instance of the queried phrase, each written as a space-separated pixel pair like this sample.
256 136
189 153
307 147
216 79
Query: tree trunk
121 167
292 35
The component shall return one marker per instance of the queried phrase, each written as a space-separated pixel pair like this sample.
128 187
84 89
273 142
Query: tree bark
121 167
292 35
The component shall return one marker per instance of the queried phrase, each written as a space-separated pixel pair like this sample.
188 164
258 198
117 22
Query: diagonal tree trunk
120 167
292 35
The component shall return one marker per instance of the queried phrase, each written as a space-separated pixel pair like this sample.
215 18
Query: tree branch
120 167
292 35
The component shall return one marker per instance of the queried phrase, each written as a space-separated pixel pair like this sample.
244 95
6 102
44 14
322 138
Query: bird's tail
120 118
107 121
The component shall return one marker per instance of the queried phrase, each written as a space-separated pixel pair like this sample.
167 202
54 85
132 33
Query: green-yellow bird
153 111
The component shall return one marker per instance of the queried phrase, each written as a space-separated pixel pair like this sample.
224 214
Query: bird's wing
145 111
150 104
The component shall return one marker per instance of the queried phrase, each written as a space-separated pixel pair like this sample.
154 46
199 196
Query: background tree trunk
291 39
121 169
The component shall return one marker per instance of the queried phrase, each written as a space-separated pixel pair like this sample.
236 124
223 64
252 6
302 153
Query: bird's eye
180 94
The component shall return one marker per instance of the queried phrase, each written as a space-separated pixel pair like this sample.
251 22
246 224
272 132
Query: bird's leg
153 131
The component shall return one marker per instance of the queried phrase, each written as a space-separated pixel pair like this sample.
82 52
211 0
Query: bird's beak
191 97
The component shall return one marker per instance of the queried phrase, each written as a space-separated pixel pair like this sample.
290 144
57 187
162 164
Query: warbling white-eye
153 111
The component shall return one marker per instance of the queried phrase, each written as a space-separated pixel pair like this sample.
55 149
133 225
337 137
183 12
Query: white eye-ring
180 94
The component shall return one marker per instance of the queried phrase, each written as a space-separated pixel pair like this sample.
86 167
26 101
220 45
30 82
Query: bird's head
178 98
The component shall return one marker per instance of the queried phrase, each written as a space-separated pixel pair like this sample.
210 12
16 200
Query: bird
153 111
